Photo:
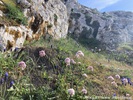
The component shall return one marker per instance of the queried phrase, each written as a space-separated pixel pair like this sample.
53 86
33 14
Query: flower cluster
79 54
67 61
22 65
71 91
84 91
90 68
42 53
5 80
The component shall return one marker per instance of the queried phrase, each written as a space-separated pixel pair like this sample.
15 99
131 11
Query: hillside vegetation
48 78
14 15
38 70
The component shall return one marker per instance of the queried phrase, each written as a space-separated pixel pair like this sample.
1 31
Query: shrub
15 14
71 10
49 26
76 15
55 17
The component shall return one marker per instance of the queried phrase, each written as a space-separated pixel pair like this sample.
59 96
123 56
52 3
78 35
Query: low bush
16 14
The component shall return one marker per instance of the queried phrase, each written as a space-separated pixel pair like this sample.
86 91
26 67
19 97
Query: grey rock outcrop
59 17
52 12
44 17
1 13
13 36
110 29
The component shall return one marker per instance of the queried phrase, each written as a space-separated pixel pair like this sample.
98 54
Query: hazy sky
109 5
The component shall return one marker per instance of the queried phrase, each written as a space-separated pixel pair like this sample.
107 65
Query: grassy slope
48 81
5 20
96 83
14 16
11 2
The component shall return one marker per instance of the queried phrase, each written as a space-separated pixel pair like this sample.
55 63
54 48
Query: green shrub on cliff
15 14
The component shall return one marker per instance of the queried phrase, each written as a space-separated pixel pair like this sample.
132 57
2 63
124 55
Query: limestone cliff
44 17
59 17
111 29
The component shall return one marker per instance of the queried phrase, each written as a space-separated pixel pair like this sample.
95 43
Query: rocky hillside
59 17
109 28
62 68
28 20
43 17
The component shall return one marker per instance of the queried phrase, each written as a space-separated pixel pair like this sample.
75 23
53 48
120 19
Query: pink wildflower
90 68
111 78
84 91
85 75
71 92
67 61
22 65
79 53
114 84
117 76
42 53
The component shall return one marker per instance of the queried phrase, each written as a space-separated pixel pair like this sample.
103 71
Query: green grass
13 12
127 47
94 82
48 82
123 54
